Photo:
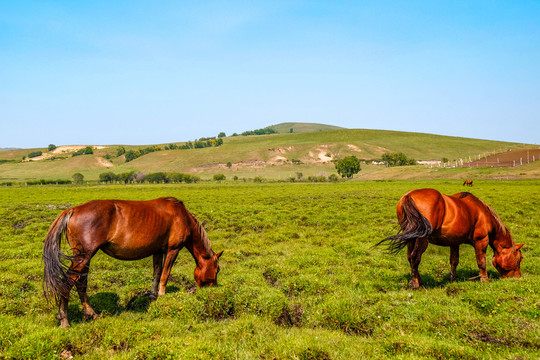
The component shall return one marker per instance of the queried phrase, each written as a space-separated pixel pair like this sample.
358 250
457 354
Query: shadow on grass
102 303
108 303
462 275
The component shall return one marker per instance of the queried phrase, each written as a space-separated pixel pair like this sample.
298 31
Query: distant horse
427 216
468 183
125 230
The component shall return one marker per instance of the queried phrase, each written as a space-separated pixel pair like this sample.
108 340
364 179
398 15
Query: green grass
271 156
300 279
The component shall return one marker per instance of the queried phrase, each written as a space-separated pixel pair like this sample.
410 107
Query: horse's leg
158 269
169 261
63 311
480 248
454 261
414 254
79 273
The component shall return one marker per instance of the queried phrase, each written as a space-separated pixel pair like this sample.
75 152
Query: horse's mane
498 222
205 241
204 238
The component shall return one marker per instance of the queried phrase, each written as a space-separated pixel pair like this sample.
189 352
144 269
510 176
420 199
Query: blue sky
146 72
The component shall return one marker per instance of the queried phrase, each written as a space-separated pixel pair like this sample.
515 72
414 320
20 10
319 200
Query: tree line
151 178
131 155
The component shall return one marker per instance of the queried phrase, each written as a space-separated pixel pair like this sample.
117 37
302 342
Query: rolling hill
309 149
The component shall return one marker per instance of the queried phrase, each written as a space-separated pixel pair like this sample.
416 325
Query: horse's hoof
88 317
64 324
414 285
484 279
152 297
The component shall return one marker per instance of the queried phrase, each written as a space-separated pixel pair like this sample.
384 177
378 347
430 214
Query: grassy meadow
300 279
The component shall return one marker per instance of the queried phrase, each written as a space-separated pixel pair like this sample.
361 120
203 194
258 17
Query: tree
219 177
176 177
397 159
78 178
107 177
348 166
221 134
229 164
126 177
158 178
52 147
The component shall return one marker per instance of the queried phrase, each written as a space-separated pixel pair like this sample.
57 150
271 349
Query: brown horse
427 216
468 183
125 230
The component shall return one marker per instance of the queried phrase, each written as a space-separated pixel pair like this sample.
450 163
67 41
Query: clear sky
146 72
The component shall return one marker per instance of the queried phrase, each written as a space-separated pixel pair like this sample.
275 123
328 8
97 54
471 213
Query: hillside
300 128
278 156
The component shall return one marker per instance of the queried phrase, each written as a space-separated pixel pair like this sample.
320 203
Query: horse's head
207 270
507 261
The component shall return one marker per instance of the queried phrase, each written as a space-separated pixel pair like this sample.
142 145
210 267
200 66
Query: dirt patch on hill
63 149
507 159
354 148
103 162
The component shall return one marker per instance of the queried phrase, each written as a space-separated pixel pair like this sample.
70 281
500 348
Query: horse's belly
130 250
449 238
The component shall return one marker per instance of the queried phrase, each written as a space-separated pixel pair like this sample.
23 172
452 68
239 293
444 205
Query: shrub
219 177
86 151
34 154
131 155
51 147
264 131
48 182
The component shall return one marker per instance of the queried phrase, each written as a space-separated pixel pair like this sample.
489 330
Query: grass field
299 279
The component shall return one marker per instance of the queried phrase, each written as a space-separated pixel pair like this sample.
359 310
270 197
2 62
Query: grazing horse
468 183
427 216
125 230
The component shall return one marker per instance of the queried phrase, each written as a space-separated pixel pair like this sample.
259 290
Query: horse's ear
519 246
219 254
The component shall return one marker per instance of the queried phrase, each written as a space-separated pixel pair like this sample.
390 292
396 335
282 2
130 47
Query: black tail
56 281
413 226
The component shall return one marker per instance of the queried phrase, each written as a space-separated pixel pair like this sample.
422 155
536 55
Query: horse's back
127 229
